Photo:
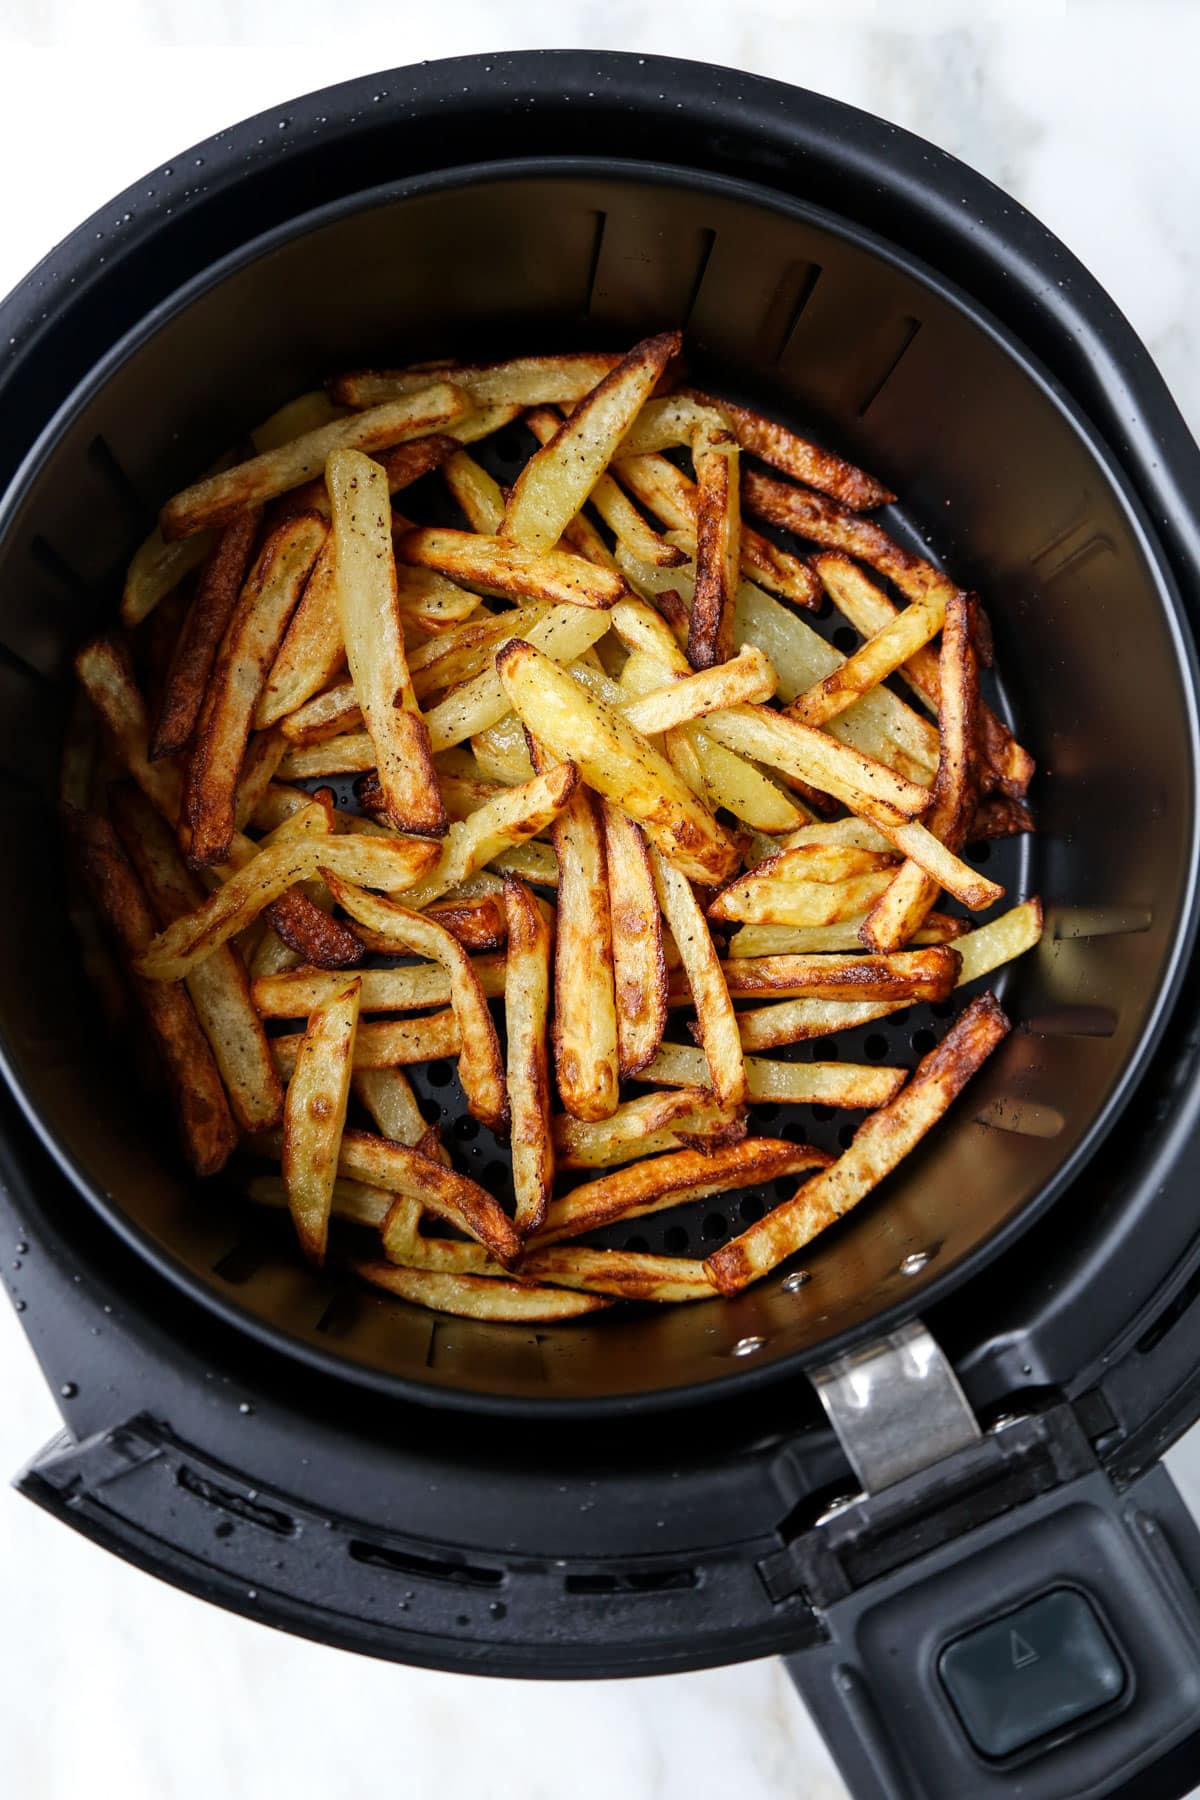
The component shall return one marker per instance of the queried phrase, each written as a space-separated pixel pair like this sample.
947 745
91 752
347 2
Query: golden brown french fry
315 1114
312 651
477 492
803 940
795 456
156 570
716 1021
790 1083
748 676
350 753
625 1274
106 675
927 974
792 1021
742 789
365 576
513 816
353 1201
562 633
639 966
403 1171
879 1144
872 662
461 655
718 548
386 1043
264 753
500 565
218 989
205 1123
248 649
220 498
306 412
195 651
294 992
800 903
327 715
558 478
612 503
402 465
480 1065
616 761
394 863
1000 940
481 1296
687 1116
518 381
672 1180
477 920
526 1014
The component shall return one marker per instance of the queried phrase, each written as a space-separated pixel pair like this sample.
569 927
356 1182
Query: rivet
798 1278
915 1262
747 1346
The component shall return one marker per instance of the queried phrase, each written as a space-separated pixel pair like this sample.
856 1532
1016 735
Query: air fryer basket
998 474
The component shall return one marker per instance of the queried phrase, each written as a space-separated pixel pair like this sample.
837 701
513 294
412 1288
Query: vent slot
51 563
786 310
632 1581
431 1568
253 1512
242 1262
600 221
1024 1118
103 459
707 240
907 330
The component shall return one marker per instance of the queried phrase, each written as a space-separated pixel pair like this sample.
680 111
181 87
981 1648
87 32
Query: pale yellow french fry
518 382
294 992
639 966
787 1083
527 1013
480 1296
562 634
314 1115
478 493
717 1023
644 1127
512 817
998 942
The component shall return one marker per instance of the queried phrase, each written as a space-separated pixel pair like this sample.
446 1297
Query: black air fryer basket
930 1472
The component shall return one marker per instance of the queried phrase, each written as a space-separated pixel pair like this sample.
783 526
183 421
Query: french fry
873 662
501 565
307 412
206 1125
156 570
393 863
793 1021
613 505
880 1143
519 381
264 753
513 816
312 651
365 577
386 1043
248 649
478 921
688 1116
558 478
639 966
460 656
717 1023
327 715
718 548
526 1014
106 675
795 456
743 790
502 751
616 761
480 1296
430 605
563 633
625 1274
734 680
218 988
196 649
219 498
350 753
670 423
401 465
803 940
928 974
271 956
800 903
788 1083
388 1096
293 993
406 1172
353 1201
478 494
480 1065
315 1114
672 1180
1000 941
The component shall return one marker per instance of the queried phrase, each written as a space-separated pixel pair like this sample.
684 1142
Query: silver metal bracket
896 1406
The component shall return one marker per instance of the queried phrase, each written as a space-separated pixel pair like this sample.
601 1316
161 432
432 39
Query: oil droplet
68 1390
18 1306
252 1593
21 1248
497 1609
245 1407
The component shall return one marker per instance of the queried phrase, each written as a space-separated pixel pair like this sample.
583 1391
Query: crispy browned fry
481 1296
526 1014
803 940
671 1180
402 465
221 497
800 903
616 761
517 381
315 1114
716 1021
293 993
718 548
216 596
370 616
477 708
206 1125
903 975
381 1163
585 1015
872 662
786 877
218 988
156 570
311 933
667 491
480 1065
462 654
501 565
106 674
999 816
327 715
386 1043
478 921
77 770
793 1021
247 651
558 478
312 651
902 909
879 1144
806 462
734 681
625 1274
639 966
394 863
792 1083
687 1117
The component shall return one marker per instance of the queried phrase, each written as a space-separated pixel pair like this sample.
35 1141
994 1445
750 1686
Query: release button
1030 1673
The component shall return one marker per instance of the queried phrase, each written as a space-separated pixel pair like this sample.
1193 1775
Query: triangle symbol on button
1022 1653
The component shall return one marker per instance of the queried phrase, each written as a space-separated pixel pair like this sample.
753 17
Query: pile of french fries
610 782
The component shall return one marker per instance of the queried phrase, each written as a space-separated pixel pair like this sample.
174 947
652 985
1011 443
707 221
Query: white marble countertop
111 1683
